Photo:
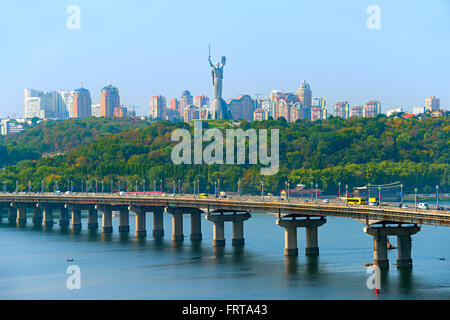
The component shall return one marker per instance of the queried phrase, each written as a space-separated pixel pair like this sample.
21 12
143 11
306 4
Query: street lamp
379 196
415 199
317 191
339 191
112 186
437 197
198 186
289 192
401 193
239 188
346 194
143 185
179 186
311 191
368 192
262 190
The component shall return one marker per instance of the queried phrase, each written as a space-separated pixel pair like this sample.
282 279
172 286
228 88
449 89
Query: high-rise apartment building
305 94
109 99
47 104
242 108
341 109
372 109
356 111
157 107
322 104
201 101
432 104
82 103
186 100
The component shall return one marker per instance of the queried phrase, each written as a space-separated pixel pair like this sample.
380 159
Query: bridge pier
141 230
21 220
403 234
64 218
76 218
177 223
158 223
92 219
37 216
290 235
177 227
107 220
48 217
124 220
12 215
219 227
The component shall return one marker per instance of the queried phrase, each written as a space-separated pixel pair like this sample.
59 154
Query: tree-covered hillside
354 152
59 136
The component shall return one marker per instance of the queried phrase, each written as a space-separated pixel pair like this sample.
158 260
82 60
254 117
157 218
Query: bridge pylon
290 235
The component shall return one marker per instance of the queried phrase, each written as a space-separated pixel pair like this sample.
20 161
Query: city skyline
398 69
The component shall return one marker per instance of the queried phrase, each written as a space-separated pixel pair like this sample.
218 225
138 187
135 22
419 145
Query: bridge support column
76 219
219 227
141 230
177 227
219 234
403 234
12 215
290 235
312 245
107 221
64 218
37 216
48 218
238 233
92 219
21 216
124 220
158 223
196 226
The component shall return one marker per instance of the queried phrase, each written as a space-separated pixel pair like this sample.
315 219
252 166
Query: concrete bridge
380 222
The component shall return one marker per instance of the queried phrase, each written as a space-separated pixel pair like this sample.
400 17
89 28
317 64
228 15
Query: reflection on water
119 266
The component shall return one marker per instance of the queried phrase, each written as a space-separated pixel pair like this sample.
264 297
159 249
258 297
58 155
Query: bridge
291 214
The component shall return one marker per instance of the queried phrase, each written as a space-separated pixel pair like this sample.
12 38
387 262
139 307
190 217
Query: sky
148 47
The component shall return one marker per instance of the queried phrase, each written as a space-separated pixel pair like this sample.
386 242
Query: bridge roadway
291 214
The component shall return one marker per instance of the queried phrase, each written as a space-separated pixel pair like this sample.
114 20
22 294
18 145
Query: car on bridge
423 206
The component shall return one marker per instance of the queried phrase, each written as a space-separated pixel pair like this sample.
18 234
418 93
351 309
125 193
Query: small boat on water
69 260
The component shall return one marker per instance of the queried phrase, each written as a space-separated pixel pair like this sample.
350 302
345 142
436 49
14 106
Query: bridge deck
279 208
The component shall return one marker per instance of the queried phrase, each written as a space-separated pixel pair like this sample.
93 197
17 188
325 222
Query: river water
33 264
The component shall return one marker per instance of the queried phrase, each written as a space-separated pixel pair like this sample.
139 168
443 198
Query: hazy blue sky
161 47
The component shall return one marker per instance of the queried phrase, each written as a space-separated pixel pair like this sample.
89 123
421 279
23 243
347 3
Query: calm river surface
33 264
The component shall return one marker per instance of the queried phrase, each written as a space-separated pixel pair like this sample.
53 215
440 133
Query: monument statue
218 106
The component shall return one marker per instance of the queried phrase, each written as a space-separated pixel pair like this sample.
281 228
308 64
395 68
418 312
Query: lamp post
401 193
368 193
346 194
311 191
173 184
160 185
198 186
215 189
339 191
239 189
415 199
379 196
143 186
317 191
194 189
437 197
179 186
103 186
262 190
112 186
218 187
289 192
